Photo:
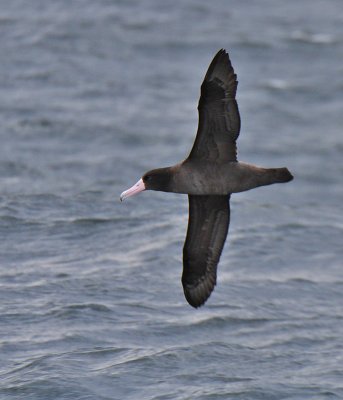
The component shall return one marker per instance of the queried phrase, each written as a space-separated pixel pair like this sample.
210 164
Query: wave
313 38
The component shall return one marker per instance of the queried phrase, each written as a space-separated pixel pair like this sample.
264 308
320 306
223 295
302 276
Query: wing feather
219 120
209 218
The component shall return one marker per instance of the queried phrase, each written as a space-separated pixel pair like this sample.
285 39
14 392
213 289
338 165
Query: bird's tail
280 175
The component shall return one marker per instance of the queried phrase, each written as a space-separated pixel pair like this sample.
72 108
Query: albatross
209 175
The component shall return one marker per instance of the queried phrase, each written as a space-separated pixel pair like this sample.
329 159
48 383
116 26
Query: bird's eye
147 178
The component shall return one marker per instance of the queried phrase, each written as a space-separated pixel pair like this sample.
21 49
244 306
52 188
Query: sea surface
95 93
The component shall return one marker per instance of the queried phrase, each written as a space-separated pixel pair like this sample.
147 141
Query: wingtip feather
197 294
222 72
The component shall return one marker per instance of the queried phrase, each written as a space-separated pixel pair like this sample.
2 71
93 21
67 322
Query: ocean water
93 94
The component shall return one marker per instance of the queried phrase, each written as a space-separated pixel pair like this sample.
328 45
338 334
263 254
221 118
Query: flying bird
209 175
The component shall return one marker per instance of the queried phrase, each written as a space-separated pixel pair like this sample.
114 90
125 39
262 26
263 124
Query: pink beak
138 187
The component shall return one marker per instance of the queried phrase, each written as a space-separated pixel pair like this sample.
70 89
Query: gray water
93 94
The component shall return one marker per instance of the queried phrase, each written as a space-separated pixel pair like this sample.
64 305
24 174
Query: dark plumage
209 175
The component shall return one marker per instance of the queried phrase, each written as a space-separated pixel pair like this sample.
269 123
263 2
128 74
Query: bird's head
156 179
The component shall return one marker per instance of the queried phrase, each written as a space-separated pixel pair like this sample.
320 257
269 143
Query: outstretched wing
209 218
219 120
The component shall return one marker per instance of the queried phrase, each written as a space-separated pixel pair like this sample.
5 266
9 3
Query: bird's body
215 178
209 175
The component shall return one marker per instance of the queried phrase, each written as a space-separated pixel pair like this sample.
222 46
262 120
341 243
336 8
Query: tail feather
282 175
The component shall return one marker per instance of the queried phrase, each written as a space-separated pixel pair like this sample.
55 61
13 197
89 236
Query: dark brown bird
209 175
